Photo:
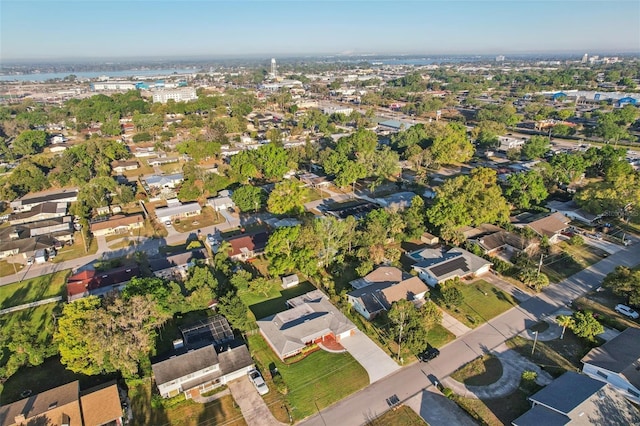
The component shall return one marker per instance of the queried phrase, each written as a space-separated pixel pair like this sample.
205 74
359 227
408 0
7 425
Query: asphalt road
411 380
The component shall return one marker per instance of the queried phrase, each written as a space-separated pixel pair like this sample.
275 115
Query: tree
236 312
414 218
249 198
287 197
451 145
564 321
586 325
624 282
408 326
525 188
535 147
30 142
261 285
451 295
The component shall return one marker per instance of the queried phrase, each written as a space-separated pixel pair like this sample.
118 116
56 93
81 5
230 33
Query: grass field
482 301
402 416
314 383
34 289
263 306
438 336
76 250
184 413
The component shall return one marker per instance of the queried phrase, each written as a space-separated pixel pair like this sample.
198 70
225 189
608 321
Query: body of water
126 74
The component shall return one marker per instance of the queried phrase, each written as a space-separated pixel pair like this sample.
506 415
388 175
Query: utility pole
540 265
534 343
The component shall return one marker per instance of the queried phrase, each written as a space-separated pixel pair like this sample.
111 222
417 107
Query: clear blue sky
168 28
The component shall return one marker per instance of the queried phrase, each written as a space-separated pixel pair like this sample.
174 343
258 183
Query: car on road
428 354
258 381
626 311
30 261
167 222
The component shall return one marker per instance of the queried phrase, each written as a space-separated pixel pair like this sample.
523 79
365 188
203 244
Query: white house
200 370
436 266
221 203
617 362
181 211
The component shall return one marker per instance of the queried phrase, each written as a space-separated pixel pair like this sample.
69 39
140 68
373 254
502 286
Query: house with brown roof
550 226
494 241
377 291
245 247
617 363
123 166
66 406
119 224
98 283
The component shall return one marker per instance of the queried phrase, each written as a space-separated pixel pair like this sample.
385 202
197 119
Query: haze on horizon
55 30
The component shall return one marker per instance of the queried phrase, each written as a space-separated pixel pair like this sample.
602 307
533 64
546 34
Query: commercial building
181 94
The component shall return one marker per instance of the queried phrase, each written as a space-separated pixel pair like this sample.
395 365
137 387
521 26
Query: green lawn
482 371
207 218
76 250
262 306
314 383
438 336
569 260
10 268
223 411
34 289
481 302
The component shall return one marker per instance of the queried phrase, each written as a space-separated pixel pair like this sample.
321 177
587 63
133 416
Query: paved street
412 380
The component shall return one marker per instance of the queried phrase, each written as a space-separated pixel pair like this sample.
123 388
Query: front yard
601 303
402 416
179 411
313 383
208 217
568 260
76 250
481 302
10 268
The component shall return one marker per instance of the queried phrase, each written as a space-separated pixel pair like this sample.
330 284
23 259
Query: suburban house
222 202
176 265
59 228
571 210
197 371
436 266
66 405
164 181
576 399
550 226
91 282
29 201
494 240
312 318
617 363
40 212
245 247
123 166
397 201
506 143
163 160
117 225
180 211
377 291
27 246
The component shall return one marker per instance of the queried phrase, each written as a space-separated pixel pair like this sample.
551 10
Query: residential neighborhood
320 241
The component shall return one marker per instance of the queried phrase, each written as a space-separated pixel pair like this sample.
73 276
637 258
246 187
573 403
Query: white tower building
273 68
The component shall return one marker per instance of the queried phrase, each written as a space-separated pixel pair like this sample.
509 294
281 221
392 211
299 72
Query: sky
90 29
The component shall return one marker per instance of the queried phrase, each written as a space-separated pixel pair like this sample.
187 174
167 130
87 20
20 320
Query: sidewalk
453 325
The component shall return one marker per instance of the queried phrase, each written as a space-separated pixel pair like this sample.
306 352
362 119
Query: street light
535 340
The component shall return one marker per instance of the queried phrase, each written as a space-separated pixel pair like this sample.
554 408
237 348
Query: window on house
601 374
633 392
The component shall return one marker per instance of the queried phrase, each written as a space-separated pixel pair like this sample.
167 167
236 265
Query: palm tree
564 321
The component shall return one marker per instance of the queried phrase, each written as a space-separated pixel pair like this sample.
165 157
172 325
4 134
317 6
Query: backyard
313 383
481 302
262 306
179 411
33 289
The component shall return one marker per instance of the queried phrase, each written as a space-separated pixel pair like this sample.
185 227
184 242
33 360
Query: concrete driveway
437 409
254 410
377 363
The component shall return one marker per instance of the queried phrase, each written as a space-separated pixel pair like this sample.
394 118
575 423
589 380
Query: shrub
280 385
529 375
447 392
576 240
141 137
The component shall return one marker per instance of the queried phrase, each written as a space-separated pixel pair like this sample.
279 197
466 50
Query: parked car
258 381
429 354
30 261
626 311
167 222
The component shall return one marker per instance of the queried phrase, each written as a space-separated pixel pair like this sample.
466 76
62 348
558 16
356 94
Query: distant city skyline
55 30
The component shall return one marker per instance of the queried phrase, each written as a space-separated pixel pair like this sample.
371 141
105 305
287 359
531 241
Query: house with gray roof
573 211
377 291
437 266
617 363
164 181
201 370
179 211
576 399
310 319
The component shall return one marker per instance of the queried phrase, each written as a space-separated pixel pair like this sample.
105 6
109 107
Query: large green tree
30 142
625 282
249 198
535 147
287 197
526 188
